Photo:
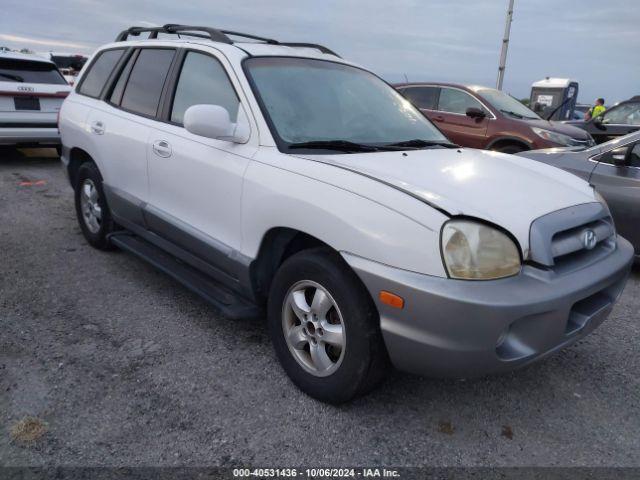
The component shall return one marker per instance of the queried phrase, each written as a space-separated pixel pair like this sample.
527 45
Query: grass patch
28 430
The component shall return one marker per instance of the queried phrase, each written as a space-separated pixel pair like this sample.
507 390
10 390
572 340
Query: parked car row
280 179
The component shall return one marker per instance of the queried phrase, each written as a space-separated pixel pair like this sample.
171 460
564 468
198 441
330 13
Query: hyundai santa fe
277 178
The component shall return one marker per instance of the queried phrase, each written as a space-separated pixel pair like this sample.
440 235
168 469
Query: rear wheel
325 328
92 211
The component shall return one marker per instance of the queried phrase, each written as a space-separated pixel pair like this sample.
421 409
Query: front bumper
29 136
462 329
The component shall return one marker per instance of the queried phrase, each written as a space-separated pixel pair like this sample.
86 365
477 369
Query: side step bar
223 300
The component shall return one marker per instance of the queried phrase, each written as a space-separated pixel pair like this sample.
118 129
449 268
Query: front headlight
554 137
475 251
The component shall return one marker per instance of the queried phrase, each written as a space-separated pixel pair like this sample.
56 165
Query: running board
223 300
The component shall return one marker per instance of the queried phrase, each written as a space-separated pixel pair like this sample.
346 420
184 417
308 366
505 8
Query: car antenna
406 79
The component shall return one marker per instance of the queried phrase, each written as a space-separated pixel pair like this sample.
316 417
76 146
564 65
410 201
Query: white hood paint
507 190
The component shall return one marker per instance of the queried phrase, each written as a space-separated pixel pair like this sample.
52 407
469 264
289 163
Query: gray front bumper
456 328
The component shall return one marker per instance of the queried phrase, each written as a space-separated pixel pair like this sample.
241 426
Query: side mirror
617 156
213 121
474 112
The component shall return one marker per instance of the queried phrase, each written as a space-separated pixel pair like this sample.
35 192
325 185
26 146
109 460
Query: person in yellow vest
597 109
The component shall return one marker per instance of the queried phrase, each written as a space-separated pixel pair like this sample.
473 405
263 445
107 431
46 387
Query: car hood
507 190
564 128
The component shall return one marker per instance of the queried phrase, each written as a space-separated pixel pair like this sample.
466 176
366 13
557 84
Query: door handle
439 118
162 148
97 127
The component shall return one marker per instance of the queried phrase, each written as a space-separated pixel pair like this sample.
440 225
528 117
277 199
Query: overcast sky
596 42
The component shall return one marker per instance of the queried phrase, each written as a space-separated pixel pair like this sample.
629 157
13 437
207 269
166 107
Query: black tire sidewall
511 149
88 170
359 315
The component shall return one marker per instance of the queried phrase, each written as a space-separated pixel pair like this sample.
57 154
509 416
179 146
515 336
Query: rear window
144 87
99 71
25 71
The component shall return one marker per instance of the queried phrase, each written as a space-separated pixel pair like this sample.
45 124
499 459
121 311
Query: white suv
31 92
278 177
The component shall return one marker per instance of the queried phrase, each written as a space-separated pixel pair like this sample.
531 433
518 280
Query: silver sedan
613 168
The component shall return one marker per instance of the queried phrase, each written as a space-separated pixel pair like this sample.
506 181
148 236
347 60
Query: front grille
572 237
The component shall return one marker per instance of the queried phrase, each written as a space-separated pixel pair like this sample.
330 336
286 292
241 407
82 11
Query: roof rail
211 34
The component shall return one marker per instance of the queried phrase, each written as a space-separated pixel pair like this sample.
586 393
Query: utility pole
505 46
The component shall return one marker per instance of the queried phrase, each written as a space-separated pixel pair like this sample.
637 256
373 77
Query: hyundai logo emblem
589 239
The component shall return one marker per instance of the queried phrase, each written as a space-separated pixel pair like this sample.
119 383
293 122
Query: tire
512 148
92 211
362 361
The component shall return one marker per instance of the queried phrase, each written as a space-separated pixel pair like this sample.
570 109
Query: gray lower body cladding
462 329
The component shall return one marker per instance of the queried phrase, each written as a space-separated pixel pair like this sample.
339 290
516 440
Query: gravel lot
120 365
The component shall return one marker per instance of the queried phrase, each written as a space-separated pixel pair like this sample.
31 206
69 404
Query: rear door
31 93
620 186
425 98
452 118
120 127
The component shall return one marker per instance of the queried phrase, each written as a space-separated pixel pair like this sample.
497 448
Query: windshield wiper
17 78
339 145
419 143
513 114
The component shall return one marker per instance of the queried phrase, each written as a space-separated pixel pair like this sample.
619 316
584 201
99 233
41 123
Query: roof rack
211 34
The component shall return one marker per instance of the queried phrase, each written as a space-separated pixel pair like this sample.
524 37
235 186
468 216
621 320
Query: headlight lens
475 251
554 137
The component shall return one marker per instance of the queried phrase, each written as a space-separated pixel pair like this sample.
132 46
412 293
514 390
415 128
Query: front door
620 186
453 120
196 182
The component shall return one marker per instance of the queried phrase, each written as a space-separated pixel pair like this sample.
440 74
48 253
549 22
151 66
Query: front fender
355 223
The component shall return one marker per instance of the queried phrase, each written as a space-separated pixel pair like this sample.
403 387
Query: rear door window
422 97
25 71
203 80
145 84
453 100
94 80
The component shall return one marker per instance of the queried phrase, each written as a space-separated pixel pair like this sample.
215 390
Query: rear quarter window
99 72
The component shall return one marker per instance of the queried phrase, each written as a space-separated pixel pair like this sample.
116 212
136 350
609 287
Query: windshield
309 100
29 72
506 104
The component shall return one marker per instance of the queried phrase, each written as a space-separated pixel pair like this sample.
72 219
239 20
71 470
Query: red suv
481 117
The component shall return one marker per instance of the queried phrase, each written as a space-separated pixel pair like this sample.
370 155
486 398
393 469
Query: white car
31 93
279 178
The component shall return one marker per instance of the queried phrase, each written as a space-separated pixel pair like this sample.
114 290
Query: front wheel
510 148
325 327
